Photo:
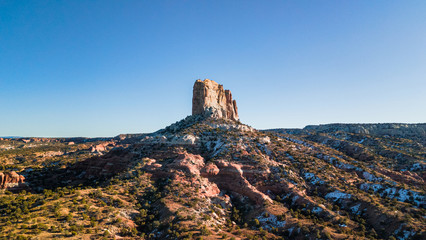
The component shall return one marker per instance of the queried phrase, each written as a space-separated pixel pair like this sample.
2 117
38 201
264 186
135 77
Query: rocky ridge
403 130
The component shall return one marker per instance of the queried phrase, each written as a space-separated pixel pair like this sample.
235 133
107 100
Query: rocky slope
283 184
211 177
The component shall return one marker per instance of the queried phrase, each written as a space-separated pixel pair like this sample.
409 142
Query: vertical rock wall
210 99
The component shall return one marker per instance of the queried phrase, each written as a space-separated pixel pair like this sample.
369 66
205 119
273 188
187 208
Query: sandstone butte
11 180
212 100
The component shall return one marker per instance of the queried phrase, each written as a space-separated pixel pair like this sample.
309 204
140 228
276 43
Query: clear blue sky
101 68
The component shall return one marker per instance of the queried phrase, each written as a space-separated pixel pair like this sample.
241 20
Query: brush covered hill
209 177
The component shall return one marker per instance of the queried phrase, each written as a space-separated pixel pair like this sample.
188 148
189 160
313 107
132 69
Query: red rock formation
188 162
11 180
231 178
210 170
101 147
210 99
215 176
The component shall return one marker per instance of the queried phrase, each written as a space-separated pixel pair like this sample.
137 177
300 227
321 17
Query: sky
102 68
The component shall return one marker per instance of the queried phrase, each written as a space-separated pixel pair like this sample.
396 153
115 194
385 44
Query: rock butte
11 180
211 100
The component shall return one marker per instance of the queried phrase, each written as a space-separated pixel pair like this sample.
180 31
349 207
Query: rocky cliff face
210 99
11 181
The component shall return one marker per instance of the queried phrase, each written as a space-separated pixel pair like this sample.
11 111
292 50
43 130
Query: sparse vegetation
321 185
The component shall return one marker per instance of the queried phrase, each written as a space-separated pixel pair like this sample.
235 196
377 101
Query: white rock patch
337 195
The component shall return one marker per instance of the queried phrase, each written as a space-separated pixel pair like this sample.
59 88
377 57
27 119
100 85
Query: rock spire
210 99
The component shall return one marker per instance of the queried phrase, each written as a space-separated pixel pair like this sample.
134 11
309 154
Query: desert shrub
204 231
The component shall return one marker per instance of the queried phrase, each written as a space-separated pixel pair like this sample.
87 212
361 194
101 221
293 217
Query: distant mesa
212 100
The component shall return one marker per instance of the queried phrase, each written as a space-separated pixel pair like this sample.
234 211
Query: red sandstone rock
210 99
218 175
231 177
101 147
209 189
210 170
11 180
188 162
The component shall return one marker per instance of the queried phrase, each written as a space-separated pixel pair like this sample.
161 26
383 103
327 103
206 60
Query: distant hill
403 130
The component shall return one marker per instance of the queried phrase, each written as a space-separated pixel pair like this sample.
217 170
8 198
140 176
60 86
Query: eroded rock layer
211 99
11 181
